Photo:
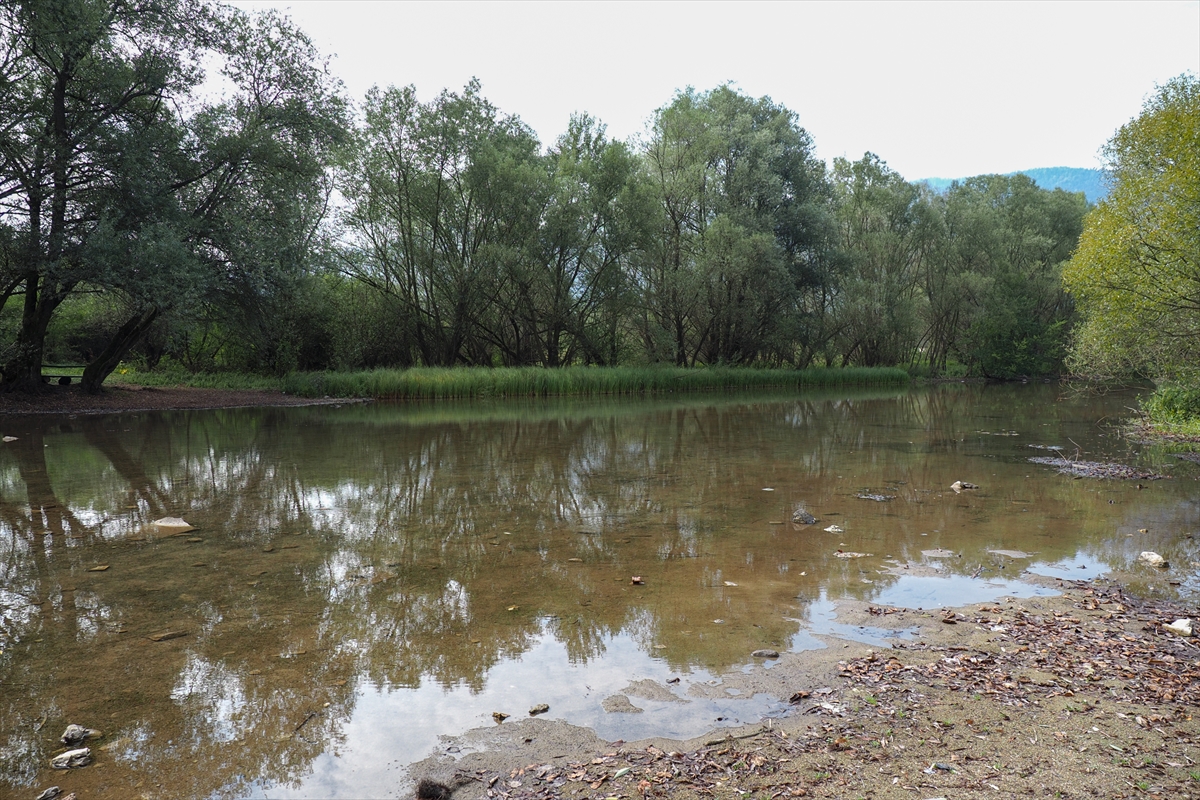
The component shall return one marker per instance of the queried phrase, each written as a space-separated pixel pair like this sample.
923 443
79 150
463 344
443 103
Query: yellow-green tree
1136 274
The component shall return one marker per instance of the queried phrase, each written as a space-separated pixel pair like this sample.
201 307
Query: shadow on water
363 579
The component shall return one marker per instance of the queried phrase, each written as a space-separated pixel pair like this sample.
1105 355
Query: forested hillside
285 226
1091 182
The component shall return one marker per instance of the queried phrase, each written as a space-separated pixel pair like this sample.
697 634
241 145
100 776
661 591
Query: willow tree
742 229
1136 273
886 229
443 198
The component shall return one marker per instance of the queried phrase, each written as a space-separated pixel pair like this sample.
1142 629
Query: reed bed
431 383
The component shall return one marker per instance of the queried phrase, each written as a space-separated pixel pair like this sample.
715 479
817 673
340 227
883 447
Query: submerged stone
77 734
72 759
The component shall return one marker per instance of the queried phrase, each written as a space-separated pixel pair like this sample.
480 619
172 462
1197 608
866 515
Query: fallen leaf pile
1062 651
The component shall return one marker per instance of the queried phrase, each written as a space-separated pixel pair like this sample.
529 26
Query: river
361 580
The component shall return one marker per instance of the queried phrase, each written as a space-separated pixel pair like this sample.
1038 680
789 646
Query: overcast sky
936 89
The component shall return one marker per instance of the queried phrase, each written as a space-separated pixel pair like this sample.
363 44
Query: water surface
363 579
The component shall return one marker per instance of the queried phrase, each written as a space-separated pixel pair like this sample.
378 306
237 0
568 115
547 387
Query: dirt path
1082 695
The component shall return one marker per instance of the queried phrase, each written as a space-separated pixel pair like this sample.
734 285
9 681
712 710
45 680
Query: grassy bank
460 383
1174 410
236 381
474 382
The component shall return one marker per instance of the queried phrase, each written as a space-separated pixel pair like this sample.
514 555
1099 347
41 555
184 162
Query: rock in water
802 517
49 794
1153 559
77 734
72 759
540 708
765 654
432 790
168 526
959 486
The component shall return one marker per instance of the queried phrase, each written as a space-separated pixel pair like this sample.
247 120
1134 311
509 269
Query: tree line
185 183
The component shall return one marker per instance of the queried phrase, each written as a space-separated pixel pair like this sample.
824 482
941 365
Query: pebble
1153 559
802 517
765 654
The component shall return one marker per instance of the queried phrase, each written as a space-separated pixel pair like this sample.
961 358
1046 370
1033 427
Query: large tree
886 229
117 178
571 291
994 279
742 230
443 199
1136 273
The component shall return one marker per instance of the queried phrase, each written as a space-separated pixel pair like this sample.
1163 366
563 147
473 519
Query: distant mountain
1071 179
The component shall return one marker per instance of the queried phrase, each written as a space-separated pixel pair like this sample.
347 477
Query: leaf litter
1089 697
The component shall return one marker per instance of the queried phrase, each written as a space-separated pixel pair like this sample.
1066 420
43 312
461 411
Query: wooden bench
61 378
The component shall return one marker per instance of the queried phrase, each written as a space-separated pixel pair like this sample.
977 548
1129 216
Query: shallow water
364 579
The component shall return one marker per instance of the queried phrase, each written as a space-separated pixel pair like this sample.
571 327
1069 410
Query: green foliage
995 297
118 180
142 222
444 197
1175 407
886 227
1136 274
177 376
739 267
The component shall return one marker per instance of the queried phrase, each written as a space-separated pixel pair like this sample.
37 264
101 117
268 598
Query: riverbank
157 391
1084 694
122 398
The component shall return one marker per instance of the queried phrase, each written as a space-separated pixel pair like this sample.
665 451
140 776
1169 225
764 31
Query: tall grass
474 382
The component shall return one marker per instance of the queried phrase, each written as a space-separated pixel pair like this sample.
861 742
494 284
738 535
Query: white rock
835 529
171 525
1152 558
1181 626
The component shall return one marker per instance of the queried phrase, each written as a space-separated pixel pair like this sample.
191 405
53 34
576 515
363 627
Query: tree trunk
124 339
23 372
